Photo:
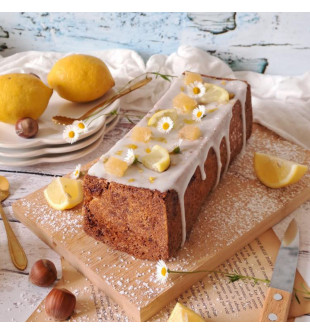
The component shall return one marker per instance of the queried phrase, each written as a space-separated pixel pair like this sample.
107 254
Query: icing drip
214 127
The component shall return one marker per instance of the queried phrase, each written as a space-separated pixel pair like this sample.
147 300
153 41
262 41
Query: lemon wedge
275 172
181 313
64 193
172 113
158 159
214 93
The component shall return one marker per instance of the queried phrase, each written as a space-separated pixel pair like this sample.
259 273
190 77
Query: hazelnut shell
26 127
43 273
60 304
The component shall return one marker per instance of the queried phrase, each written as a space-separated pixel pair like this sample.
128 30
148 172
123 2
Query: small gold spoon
17 253
63 120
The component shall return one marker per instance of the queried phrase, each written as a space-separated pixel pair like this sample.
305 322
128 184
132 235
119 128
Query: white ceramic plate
43 150
50 133
26 153
51 158
54 158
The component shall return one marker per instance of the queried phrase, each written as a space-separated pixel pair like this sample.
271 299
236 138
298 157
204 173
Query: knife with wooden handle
279 294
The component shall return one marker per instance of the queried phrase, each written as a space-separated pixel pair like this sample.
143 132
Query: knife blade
279 294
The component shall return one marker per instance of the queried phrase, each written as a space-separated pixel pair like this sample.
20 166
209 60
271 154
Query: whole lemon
22 95
80 78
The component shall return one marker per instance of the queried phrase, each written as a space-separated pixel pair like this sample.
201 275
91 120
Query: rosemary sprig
166 77
233 277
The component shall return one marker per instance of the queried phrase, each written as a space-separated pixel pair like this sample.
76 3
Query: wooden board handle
276 306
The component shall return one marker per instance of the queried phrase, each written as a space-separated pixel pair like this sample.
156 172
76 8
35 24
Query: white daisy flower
161 271
81 126
176 147
104 158
165 124
196 89
130 157
199 112
77 172
70 134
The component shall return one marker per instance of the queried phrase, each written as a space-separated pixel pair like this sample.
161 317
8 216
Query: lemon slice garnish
172 113
214 93
181 313
275 172
64 193
158 159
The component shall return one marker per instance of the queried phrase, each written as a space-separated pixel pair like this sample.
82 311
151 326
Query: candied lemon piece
190 132
64 193
172 113
160 139
191 77
275 172
158 159
214 93
181 313
141 133
185 103
116 166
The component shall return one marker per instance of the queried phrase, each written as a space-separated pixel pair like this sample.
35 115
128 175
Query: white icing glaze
214 127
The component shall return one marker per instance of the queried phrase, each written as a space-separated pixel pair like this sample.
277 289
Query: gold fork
63 120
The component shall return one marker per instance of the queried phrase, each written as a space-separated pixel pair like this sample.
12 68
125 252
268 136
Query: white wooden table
18 297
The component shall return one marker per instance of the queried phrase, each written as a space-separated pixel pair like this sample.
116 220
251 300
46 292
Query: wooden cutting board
214 297
237 212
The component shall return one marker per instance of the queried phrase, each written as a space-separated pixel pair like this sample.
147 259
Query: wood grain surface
18 297
238 211
273 43
214 297
277 305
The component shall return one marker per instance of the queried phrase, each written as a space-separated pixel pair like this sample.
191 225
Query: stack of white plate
49 146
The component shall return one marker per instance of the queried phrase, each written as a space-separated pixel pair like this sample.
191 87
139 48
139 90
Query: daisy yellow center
166 126
164 271
81 126
199 114
76 172
132 146
196 90
71 134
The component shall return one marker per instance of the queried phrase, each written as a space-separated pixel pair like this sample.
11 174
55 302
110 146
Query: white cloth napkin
280 103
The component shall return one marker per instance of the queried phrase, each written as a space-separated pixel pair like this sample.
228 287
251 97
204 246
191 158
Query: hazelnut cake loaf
145 194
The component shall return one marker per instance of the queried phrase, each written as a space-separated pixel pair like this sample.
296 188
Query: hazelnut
43 273
26 127
60 304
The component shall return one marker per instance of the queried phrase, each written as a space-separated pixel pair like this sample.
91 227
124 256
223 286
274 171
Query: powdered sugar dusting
238 205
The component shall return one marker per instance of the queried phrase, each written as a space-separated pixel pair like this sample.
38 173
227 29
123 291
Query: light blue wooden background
275 43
